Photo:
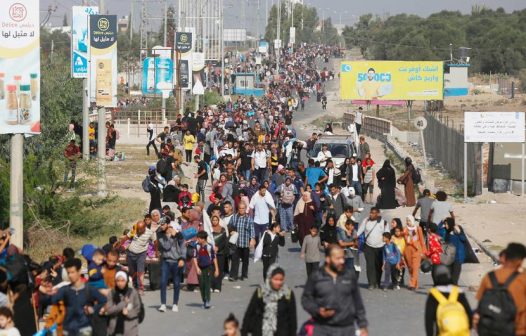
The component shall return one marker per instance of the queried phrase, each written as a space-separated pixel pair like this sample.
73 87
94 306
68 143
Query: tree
305 21
65 20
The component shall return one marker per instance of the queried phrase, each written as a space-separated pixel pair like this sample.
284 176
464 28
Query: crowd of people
252 191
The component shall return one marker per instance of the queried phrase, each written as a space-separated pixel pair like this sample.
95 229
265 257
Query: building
123 24
456 79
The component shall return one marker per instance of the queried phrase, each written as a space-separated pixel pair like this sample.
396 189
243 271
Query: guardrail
372 126
137 121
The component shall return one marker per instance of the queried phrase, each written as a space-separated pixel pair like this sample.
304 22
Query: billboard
19 66
157 75
392 80
103 56
494 127
183 41
198 73
80 40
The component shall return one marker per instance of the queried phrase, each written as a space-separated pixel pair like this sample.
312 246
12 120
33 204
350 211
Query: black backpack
417 176
142 312
146 184
497 309
162 166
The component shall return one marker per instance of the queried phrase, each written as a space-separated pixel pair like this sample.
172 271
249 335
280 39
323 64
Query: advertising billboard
80 40
198 73
494 126
183 41
103 56
391 80
157 75
19 66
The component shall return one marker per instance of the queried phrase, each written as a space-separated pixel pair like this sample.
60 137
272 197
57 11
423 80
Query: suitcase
154 274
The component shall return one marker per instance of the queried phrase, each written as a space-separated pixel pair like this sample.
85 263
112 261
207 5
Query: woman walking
455 235
123 308
387 184
272 308
304 215
415 248
368 179
220 245
407 180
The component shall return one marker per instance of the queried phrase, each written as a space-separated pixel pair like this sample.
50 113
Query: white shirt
355 172
323 156
358 117
260 159
261 206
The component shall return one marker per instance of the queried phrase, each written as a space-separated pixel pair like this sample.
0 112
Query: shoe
206 305
397 287
141 292
217 291
232 279
371 288
384 289
196 290
162 308
175 309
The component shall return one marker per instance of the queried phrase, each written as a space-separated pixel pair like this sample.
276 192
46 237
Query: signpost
421 124
19 94
493 127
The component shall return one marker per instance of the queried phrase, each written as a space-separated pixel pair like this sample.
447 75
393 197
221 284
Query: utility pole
222 52
85 113
163 98
278 28
16 192
101 143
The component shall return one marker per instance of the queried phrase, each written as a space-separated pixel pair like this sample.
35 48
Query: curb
484 248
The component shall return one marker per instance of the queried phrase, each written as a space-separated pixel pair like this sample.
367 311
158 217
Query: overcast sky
348 10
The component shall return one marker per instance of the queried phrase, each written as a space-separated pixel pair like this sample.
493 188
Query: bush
522 78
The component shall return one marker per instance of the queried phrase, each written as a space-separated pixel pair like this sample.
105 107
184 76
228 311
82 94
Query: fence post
138 122
128 128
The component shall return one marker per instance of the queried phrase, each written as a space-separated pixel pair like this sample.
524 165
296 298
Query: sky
346 10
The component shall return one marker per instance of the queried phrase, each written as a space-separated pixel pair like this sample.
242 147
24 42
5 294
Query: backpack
146 184
448 255
497 309
451 317
204 258
287 194
416 176
162 166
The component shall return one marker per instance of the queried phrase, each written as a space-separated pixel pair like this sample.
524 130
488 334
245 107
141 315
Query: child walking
392 258
399 240
310 250
204 257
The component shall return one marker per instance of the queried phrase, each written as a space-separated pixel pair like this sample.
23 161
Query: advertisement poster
198 73
157 75
80 40
19 66
183 42
392 80
184 76
494 127
103 55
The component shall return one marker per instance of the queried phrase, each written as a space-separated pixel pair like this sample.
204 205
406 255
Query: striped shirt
244 226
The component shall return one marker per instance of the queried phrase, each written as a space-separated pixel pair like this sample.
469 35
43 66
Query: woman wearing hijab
304 215
272 308
407 180
123 308
329 232
253 187
414 250
387 184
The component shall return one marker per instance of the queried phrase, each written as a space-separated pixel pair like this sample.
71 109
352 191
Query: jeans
374 260
357 187
286 217
259 229
246 174
170 269
261 174
188 155
311 266
243 254
200 189
204 283
70 165
349 264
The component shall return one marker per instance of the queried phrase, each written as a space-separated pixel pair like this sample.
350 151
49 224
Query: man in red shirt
72 154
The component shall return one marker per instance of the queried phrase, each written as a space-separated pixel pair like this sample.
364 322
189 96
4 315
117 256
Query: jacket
131 321
271 246
338 204
74 301
172 249
321 290
350 173
458 240
286 316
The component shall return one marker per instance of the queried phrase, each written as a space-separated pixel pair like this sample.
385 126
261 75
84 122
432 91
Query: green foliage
522 78
212 98
497 38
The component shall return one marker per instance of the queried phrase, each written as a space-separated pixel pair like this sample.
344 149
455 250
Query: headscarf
270 299
300 206
118 293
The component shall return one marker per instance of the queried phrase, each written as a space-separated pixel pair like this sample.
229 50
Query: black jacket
341 294
271 247
287 319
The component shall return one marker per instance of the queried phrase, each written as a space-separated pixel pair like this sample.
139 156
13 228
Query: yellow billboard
391 80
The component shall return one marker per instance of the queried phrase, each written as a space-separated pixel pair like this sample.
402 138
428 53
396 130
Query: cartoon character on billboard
372 85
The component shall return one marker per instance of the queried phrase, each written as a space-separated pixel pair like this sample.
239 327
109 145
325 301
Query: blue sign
157 75
80 40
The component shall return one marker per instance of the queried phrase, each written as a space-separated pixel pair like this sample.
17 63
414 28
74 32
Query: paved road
387 312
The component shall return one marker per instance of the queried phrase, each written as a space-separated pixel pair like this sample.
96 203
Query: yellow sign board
391 80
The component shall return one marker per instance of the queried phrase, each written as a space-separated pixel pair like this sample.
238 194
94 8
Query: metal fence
372 126
445 145
137 121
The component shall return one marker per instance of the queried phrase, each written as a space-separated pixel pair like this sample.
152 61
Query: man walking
373 228
332 297
287 193
136 254
355 176
358 117
424 204
201 176
337 201
262 204
72 154
150 132
173 253
241 224
363 148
